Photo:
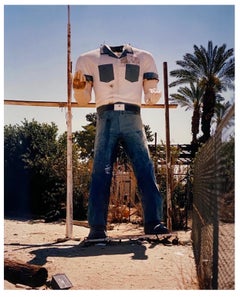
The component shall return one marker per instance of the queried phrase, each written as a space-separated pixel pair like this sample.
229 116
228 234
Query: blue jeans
125 126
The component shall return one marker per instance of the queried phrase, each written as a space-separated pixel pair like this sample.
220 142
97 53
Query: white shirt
117 73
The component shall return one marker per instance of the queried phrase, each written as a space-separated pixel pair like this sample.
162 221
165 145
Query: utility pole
69 204
168 153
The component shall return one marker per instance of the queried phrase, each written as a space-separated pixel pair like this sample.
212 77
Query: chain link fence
213 208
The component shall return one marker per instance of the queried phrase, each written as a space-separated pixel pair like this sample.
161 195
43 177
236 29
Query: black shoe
97 233
155 229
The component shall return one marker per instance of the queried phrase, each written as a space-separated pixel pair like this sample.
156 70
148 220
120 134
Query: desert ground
123 266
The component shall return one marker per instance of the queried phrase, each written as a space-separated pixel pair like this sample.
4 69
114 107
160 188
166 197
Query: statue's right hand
79 80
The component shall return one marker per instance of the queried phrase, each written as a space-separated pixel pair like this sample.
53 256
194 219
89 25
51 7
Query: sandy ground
101 267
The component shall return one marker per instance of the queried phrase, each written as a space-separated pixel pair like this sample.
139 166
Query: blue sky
35 51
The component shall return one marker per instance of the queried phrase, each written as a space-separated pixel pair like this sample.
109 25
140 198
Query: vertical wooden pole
69 204
168 153
155 155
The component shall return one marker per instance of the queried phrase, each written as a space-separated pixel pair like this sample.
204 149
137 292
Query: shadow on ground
78 250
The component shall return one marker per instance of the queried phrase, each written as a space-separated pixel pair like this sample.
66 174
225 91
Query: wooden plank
73 104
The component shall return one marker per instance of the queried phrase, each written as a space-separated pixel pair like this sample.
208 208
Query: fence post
168 154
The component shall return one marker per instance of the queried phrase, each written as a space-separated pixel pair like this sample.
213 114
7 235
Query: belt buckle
119 106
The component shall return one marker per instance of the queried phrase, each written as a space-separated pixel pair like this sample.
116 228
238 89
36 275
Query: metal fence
213 209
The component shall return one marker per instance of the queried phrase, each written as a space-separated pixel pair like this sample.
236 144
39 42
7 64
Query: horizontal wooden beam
73 104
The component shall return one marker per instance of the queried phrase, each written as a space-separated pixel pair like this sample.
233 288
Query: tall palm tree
191 98
213 69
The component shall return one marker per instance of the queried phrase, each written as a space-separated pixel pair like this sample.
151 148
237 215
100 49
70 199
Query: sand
125 266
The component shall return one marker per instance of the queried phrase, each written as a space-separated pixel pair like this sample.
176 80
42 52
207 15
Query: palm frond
189 96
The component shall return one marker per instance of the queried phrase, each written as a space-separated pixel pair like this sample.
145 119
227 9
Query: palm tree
213 69
191 98
220 111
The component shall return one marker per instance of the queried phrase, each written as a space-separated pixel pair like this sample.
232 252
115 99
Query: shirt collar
108 50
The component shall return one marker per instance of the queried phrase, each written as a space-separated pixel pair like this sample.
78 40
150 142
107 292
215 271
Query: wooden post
69 203
155 155
18 272
168 153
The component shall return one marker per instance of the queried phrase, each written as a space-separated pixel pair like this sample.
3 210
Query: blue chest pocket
132 72
106 72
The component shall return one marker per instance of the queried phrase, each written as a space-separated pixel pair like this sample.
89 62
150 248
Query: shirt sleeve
83 96
85 67
149 68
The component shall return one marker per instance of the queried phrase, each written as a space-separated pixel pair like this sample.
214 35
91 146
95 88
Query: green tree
191 98
15 178
31 148
80 173
211 68
35 161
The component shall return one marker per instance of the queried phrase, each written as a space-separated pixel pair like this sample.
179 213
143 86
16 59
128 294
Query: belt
119 107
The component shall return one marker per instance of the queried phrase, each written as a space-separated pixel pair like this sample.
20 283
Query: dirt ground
123 266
